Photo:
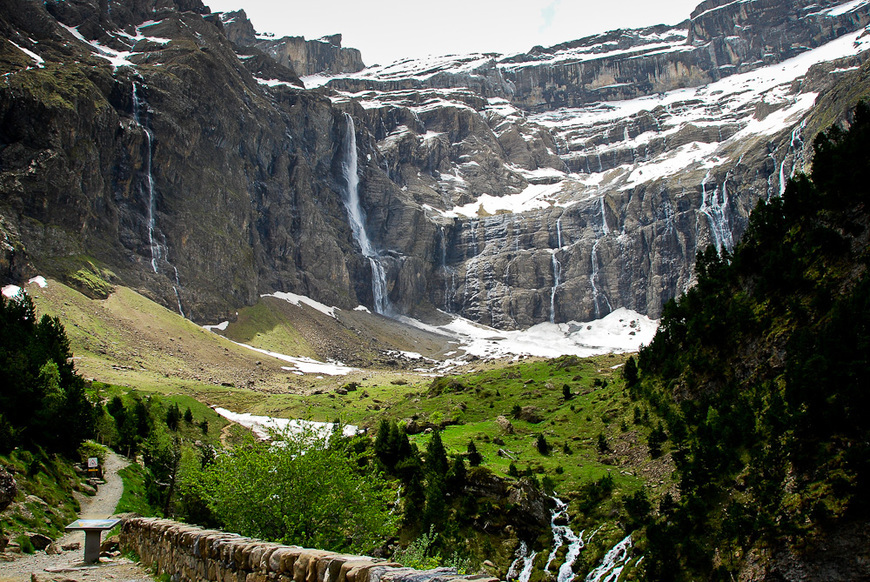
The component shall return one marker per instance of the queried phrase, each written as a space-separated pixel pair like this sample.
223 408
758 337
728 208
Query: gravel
68 565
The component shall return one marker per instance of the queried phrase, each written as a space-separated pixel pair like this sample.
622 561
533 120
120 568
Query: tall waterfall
598 297
449 275
357 218
158 249
557 280
716 212
138 107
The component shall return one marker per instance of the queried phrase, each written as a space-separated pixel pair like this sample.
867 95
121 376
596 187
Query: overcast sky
387 30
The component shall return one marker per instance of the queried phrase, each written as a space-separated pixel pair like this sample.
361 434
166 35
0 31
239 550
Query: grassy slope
44 503
126 340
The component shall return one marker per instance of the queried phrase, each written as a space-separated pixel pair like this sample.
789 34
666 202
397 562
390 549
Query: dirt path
68 565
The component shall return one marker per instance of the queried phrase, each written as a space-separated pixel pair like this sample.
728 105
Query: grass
263 326
44 503
133 498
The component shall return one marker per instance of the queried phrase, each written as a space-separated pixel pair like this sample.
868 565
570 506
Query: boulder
8 488
530 414
505 425
39 541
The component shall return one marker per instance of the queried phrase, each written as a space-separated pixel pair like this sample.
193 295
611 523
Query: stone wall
188 553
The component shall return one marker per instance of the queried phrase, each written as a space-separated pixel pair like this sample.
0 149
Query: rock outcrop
305 57
162 147
8 488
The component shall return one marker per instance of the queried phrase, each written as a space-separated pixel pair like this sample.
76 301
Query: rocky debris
111 544
8 488
71 547
87 488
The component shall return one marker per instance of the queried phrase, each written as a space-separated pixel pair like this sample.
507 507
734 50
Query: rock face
176 151
8 489
305 57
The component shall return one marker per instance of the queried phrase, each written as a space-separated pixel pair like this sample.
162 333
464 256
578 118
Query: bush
542 445
256 489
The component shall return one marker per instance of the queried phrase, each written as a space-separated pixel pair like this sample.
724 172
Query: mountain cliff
157 145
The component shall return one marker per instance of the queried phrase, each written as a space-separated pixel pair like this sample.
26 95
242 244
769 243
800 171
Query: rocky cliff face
178 152
162 157
305 57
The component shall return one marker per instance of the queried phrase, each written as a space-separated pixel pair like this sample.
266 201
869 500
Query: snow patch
623 330
534 197
304 364
262 425
845 8
40 62
300 300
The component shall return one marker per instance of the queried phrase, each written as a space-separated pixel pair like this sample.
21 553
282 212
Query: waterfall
715 211
771 177
557 276
596 295
527 560
613 563
177 294
356 217
559 232
795 138
561 535
158 249
447 272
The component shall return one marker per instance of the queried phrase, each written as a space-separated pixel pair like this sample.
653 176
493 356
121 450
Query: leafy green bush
300 489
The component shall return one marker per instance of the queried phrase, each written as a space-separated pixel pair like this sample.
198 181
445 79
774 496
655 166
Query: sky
389 30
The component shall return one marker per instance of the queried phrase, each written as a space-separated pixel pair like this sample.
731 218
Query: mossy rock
88 278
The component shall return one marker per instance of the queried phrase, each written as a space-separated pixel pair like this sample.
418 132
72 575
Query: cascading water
557 280
356 218
716 213
564 534
158 249
613 564
557 270
524 572
795 145
138 108
597 297
449 275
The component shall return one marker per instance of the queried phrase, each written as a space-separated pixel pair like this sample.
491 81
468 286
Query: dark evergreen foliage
42 398
762 372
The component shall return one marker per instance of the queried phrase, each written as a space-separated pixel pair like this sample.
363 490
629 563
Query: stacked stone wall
191 554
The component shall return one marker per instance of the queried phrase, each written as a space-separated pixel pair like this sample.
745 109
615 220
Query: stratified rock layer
162 147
